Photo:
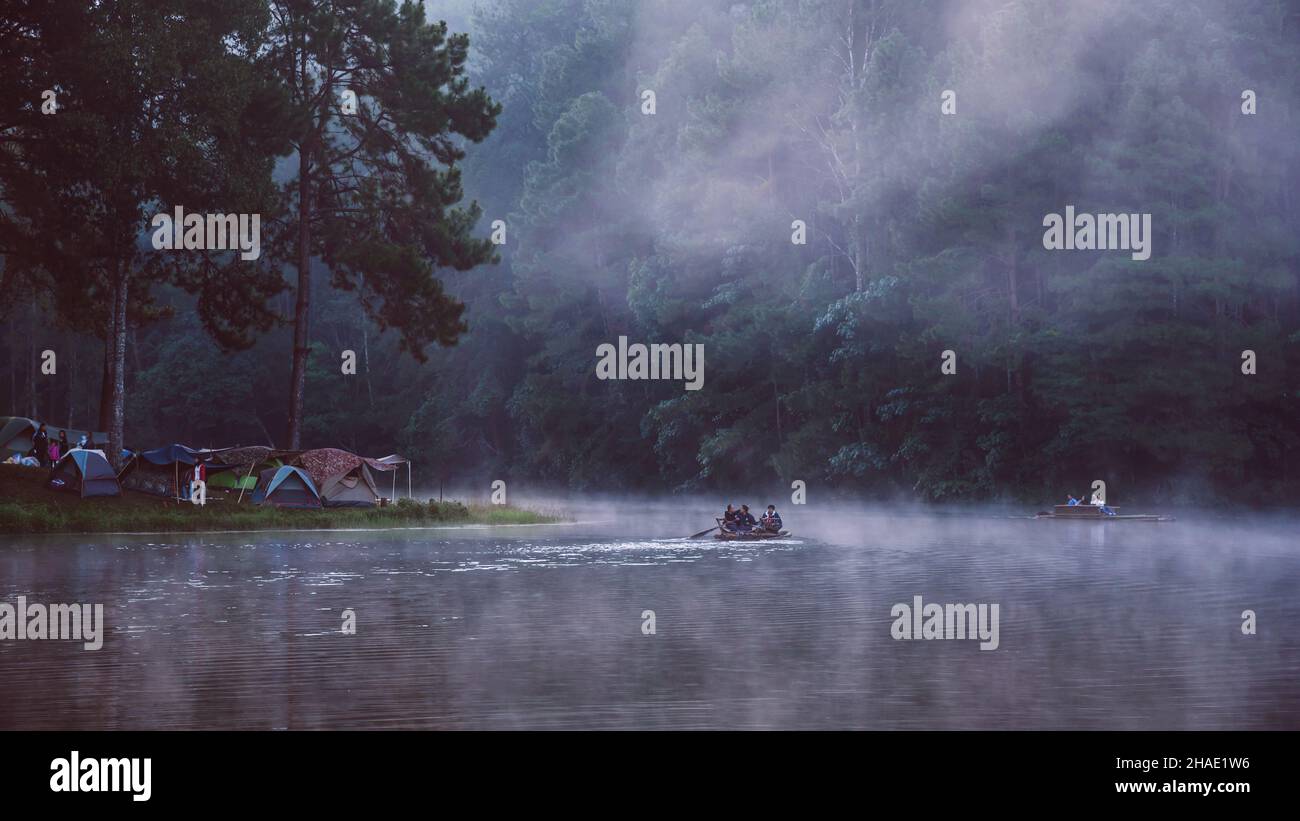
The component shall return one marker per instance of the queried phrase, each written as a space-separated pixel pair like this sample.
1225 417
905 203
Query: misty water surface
1115 625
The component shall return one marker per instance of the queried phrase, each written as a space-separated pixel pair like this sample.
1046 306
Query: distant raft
756 535
1093 513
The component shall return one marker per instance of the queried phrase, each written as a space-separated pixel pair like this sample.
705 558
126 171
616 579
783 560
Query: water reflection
1133 626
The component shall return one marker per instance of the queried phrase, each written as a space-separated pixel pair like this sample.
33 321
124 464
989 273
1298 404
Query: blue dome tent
86 473
286 486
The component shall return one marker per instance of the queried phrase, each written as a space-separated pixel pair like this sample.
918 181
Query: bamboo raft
755 535
1095 513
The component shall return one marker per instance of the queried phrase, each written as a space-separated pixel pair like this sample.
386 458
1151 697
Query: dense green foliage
375 187
823 360
924 234
110 113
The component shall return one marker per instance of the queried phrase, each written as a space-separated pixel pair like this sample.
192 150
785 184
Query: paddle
702 532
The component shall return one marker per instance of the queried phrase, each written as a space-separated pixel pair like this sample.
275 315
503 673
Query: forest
841 202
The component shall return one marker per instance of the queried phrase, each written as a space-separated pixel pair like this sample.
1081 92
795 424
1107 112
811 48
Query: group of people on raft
742 521
1097 501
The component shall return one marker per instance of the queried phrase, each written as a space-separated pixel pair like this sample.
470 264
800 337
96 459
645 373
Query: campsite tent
286 486
146 477
248 463
86 473
238 480
346 478
356 488
16 435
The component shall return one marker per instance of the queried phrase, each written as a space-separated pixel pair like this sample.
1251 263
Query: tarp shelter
86 473
286 486
184 455
345 478
159 471
146 477
17 433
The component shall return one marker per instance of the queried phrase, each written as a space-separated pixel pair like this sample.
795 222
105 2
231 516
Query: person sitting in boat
729 517
1072 501
1098 501
772 520
745 520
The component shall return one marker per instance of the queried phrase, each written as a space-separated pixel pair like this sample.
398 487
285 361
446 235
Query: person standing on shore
41 442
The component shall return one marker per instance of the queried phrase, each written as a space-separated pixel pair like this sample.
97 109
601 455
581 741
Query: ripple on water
1113 628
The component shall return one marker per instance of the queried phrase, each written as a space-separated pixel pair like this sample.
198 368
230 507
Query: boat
1095 513
756 535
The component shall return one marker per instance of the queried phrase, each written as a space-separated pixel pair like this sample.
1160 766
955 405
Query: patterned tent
343 477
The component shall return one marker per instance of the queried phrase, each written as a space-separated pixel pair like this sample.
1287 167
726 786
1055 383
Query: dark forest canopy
822 360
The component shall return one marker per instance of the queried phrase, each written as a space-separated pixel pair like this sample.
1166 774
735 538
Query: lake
1114 625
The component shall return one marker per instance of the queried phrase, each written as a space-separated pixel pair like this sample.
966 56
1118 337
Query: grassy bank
27 506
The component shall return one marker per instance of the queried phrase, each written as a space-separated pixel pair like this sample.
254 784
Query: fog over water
1114 625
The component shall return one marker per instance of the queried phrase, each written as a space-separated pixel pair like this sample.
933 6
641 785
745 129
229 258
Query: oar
702 532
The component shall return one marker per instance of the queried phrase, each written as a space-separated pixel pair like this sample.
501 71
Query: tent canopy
86 473
246 455
324 463
185 455
159 471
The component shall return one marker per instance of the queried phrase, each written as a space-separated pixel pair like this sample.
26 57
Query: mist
833 198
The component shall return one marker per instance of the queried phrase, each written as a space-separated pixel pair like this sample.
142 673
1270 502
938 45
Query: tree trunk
859 245
31 366
10 343
118 404
858 44
72 385
301 311
1013 279
106 380
365 350
135 351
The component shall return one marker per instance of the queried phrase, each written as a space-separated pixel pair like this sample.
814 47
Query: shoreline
457 526
28 508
